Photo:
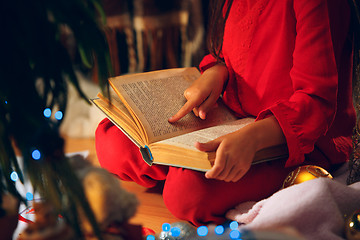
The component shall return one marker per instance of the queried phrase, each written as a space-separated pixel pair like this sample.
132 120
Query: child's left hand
234 155
235 151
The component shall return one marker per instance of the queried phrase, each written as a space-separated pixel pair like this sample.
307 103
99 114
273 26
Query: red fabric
192 197
120 156
187 194
297 69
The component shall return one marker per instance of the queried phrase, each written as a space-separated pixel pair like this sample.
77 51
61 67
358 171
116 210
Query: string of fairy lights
202 231
36 154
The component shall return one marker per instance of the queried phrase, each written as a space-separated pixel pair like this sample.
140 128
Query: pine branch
35 68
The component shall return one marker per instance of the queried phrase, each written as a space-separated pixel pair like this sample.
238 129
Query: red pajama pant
187 194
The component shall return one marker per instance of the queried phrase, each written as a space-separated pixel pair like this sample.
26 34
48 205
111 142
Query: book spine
146 155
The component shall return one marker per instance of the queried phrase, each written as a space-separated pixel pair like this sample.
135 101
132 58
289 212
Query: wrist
266 133
221 72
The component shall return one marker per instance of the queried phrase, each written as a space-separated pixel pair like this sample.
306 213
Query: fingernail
202 115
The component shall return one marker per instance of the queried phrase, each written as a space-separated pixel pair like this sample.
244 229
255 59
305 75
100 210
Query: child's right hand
203 93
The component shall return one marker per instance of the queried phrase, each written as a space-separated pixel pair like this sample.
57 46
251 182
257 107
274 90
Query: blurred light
47 112
234 225
14 176
234 234
202 231
59 115
166 227
29 196
150 237
219 230
175 231
36 154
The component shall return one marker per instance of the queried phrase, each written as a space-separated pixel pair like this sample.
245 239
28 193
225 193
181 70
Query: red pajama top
292 59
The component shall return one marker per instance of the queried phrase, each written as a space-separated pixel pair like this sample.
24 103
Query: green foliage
35 66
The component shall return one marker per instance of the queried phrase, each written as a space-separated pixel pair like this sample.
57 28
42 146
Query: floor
152 212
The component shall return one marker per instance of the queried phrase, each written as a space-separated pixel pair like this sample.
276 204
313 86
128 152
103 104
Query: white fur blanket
317 209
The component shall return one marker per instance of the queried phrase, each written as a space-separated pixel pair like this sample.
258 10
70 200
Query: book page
121 120
188 140
116 102
155 96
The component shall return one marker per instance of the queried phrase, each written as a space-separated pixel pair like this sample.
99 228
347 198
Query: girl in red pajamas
285 62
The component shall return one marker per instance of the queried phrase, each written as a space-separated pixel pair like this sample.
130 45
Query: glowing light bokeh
47 112
175 231
234 225
58 115
150 237
219 230
29 196
202 231
36 154
166 227
14 176
234 234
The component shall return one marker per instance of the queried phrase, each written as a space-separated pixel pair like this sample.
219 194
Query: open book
140 105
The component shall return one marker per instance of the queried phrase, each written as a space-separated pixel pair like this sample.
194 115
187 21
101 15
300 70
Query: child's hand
234 155
203 93
235 151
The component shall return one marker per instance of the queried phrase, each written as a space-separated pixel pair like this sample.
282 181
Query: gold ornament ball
305 173
352 227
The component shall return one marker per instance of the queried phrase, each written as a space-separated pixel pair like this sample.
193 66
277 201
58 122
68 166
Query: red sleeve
309 112
207 62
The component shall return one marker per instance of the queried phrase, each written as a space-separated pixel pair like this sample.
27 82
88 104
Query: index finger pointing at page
185 109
